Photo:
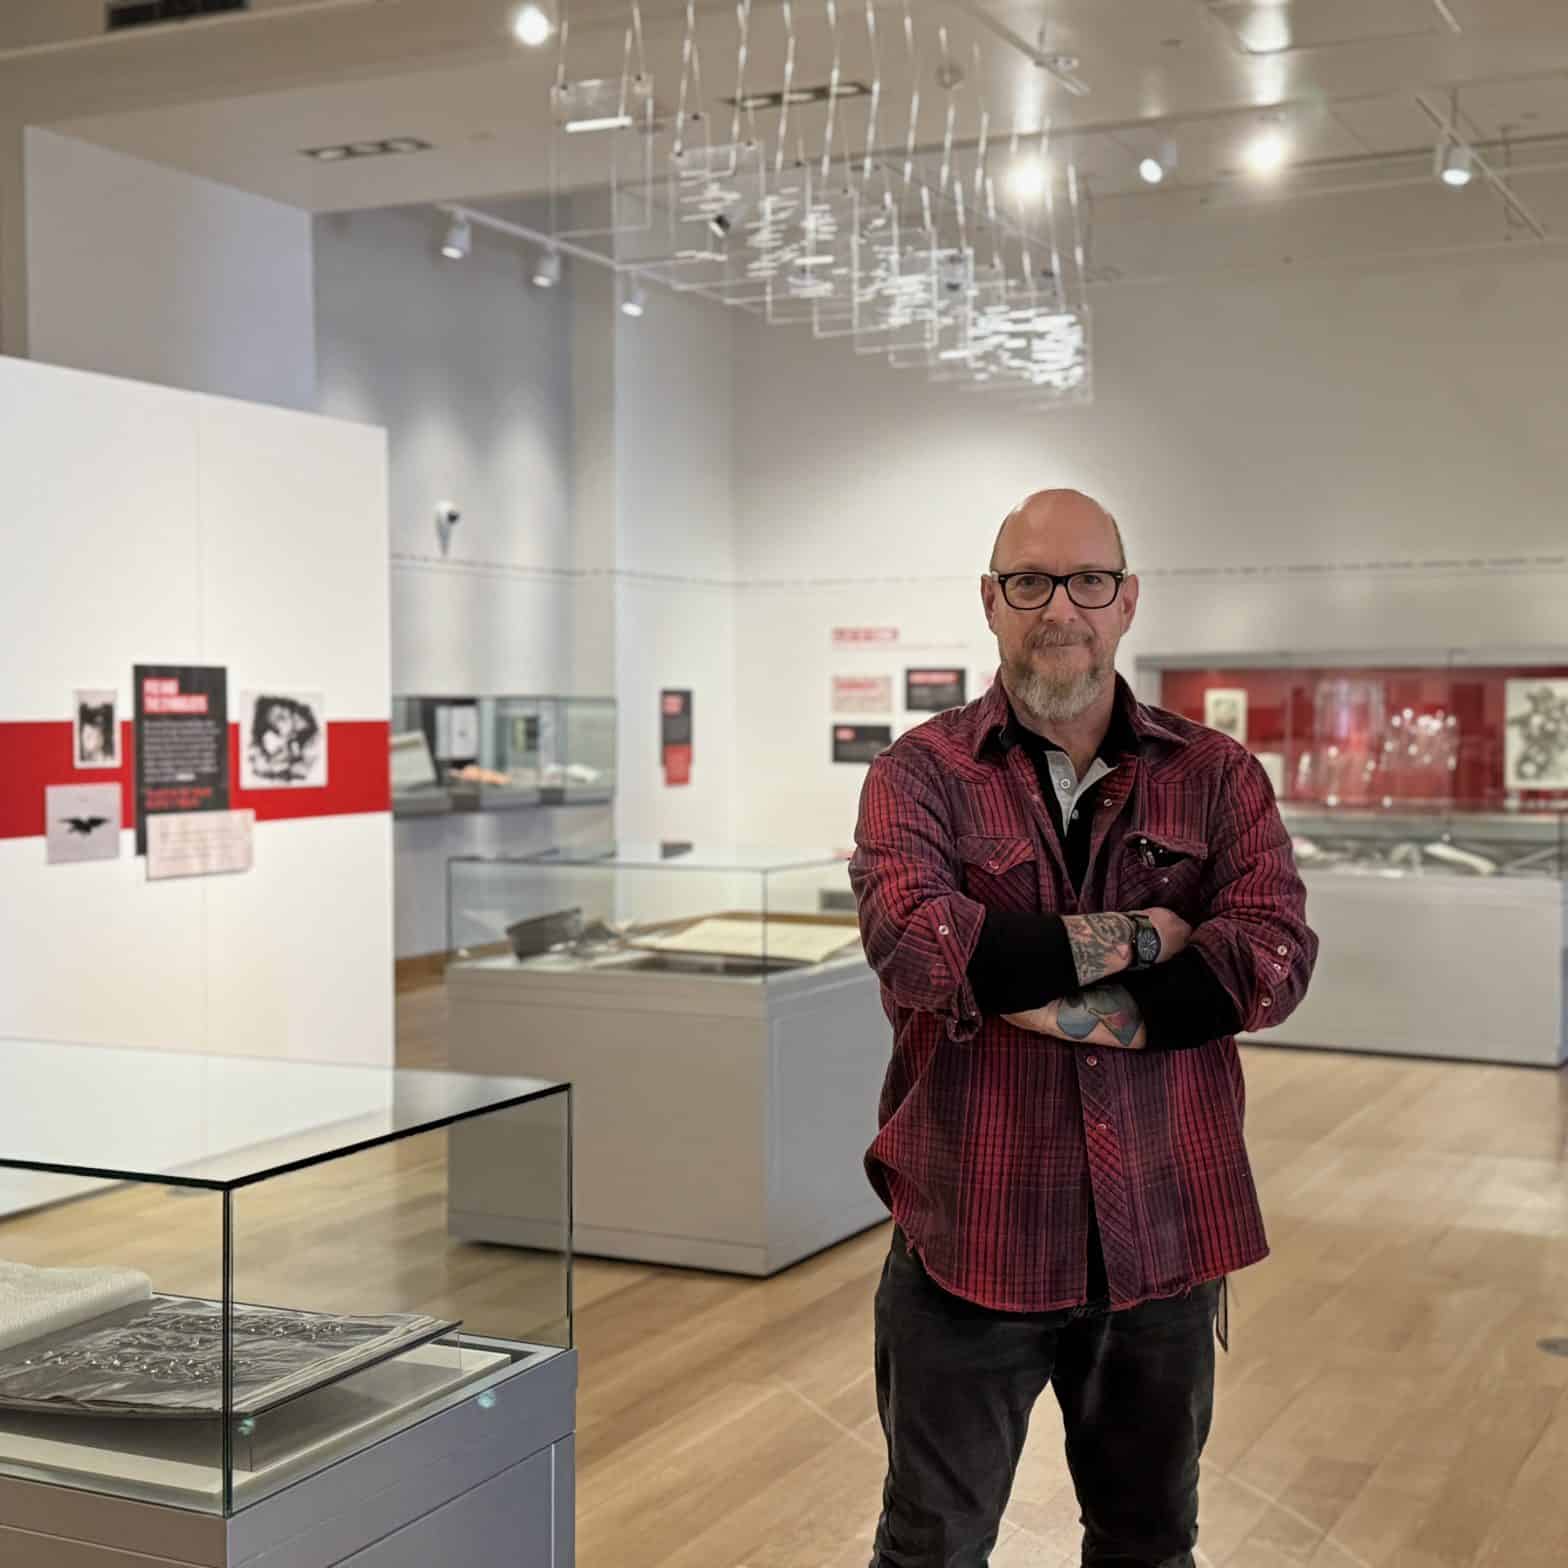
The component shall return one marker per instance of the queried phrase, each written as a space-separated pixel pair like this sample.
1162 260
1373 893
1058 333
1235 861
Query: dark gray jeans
956 1383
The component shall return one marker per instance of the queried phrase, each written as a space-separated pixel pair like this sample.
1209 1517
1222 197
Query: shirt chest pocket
1161 871
1001 873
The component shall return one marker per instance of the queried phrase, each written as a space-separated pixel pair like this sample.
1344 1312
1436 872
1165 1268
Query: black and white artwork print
1535 745
97 726
1225 710
82 822
283 740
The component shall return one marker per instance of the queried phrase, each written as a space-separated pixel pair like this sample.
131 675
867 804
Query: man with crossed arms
1074 901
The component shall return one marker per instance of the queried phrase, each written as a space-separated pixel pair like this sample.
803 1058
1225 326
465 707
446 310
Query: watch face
1148 944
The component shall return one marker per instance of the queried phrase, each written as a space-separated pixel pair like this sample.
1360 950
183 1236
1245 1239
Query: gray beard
1056 702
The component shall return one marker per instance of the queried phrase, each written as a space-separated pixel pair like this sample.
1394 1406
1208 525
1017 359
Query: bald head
1059 656
1052 519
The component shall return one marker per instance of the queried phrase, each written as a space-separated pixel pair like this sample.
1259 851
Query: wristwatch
1145 942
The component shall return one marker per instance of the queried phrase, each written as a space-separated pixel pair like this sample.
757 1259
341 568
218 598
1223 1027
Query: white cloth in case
41 1301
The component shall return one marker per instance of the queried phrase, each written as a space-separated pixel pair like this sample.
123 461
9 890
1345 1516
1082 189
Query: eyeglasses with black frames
1091 590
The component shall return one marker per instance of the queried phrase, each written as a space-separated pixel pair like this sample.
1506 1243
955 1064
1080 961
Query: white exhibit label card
82 822
862 693
199 844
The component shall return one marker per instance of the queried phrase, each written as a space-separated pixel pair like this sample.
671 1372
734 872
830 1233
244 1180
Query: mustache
1058 637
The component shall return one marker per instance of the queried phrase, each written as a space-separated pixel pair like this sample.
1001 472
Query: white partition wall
143 525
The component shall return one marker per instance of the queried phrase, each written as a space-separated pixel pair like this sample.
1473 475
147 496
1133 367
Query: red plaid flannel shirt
992 1136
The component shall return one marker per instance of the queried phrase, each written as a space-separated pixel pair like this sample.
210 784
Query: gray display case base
1415 966
719 1122
479 1485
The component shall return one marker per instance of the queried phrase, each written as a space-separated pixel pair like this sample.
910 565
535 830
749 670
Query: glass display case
254 1280
1452 767
656 908
500 753
580 764
725 1035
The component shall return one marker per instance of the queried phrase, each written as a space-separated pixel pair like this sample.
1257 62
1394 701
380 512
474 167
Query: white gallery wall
1332 462
144 271
148 525
474 374
675 503
470 371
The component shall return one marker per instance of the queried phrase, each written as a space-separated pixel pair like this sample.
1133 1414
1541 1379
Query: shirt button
1093 1061
1268 1002
1075 816
1065 786
1102 1126
1282 950
941 930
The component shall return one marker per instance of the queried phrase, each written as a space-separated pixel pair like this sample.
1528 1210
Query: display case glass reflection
671 908
251 1281
500 753
1451 768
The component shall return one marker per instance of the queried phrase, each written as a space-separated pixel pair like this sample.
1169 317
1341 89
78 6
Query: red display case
1384 737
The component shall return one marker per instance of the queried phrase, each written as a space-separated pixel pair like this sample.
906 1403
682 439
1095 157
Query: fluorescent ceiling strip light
608 122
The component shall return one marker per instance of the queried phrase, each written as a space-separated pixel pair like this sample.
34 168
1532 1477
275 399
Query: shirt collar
1132 723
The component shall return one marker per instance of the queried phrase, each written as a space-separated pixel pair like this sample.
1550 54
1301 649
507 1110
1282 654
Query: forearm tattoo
1079 1016
1101 945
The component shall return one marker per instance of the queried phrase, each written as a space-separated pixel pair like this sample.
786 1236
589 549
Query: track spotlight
547 269
459 240
1266 153
721 225
531 27
633 300
1455 164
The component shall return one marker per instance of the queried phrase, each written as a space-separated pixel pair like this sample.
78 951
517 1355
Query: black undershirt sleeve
1023 961
1183 1004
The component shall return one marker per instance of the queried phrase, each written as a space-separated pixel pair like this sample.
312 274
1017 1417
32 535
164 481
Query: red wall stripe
35 755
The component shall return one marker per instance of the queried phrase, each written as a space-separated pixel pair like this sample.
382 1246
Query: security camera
448 516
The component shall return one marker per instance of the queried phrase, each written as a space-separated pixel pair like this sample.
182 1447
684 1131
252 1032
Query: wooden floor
1385 1403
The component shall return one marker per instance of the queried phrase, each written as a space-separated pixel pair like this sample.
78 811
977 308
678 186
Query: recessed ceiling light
1267 152
1267 30
1152 171
633 300
365 149
1026 179
532 27
797 96
605 122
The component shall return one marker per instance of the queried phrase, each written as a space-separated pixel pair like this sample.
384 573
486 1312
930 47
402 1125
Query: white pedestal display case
1430 945
231 1352
723 1033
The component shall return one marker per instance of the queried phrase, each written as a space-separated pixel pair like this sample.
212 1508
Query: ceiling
1343 80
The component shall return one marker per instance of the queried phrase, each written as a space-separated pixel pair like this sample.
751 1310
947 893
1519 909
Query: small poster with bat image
82 822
